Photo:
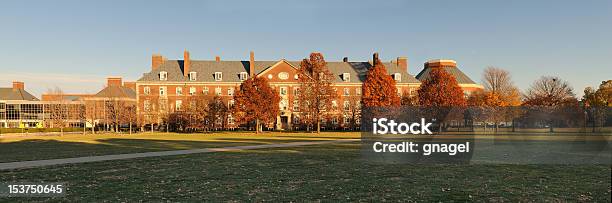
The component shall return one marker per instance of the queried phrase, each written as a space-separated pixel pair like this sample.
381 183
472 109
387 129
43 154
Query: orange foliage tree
379 87
441 90
256 101
316 91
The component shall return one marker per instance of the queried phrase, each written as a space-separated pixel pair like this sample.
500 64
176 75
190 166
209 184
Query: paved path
50 162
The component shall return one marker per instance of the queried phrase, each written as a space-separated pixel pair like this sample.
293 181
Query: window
296 105
230 119
347 119
283 91
243 76
147 90
163 75
334 120
283 75
218 76
147 105
205 91
334 104
218 91
230 103
397 77
346 77
284 105
178 105
230 91
358 91
347 91
296 91
162 91
399 91
179 91
347 105
193 76
192 90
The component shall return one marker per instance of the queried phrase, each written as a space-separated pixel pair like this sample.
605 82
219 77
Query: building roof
454 71
8 93
116 91
231 70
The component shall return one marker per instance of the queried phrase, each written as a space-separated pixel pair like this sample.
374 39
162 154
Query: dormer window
163 75
193 76
243 76
346 77
218 76
397 77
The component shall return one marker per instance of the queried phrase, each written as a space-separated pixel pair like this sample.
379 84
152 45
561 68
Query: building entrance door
284 122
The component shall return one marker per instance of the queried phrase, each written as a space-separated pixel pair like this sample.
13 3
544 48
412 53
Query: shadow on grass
38 149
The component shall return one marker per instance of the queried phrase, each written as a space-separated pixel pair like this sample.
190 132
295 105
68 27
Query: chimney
345 59
156 61
186 63
375 59
113 82
131 85
402 62
18 85
252 65
217 58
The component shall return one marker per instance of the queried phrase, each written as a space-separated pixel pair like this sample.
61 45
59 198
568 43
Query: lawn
77 145
321 172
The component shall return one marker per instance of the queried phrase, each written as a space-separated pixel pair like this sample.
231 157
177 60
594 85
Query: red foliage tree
256 101
441 89
316 91
379 87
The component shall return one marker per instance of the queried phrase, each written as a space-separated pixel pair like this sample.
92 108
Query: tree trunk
256 126
130 127
513 123
62 131
318 126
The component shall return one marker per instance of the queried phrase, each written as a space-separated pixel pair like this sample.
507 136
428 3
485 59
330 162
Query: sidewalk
87 159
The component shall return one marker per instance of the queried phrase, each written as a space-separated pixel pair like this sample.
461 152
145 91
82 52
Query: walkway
87 159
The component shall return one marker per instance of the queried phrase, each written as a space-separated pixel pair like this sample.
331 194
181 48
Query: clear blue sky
74 45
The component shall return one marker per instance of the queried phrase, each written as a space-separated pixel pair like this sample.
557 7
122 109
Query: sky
75 45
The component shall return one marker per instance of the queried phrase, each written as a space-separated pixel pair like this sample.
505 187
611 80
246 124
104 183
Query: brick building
170 83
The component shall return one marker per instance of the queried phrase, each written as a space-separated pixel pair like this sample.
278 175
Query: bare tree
58 109
548 94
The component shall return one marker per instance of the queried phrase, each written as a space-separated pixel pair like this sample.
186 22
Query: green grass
77 145
322 172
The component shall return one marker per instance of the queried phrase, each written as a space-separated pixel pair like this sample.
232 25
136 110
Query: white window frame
346 77
163 91
358 91
193 76
205 91
230 91
146 90
347 105
163 75
230 119
192 90
218 76
230 103
296 105
218 91
243 76
283 91
397 77
178 105
179 91
347 91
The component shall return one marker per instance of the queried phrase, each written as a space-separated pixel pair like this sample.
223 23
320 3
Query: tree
440 94
441 90
409 100
58 110
256 101
379 87
550 94
217 112
316 91
548 91
91 111
596 103
197 110
499 92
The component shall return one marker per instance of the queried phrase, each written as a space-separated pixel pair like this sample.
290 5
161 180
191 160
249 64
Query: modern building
20 109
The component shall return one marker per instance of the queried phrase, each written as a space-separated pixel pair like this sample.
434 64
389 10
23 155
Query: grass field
320 172
77 145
